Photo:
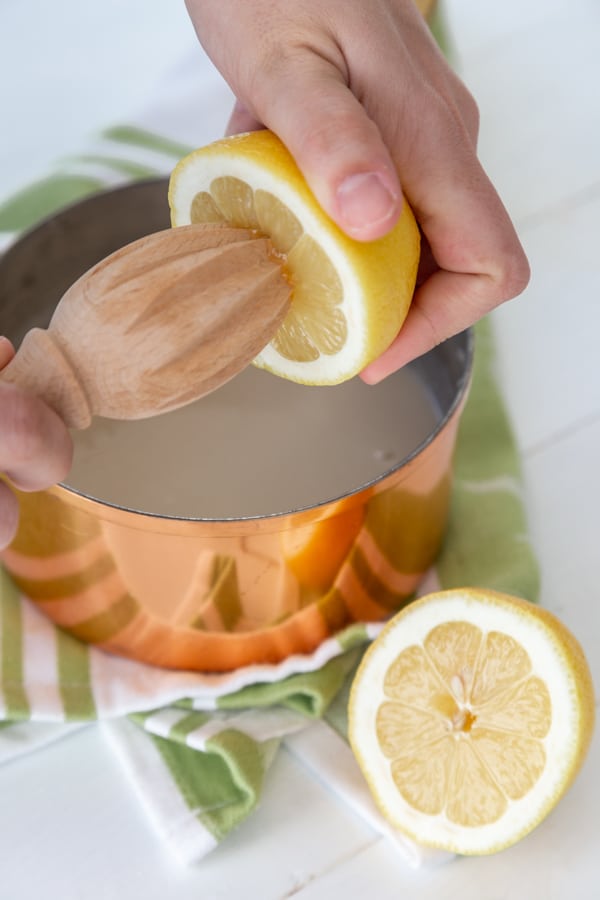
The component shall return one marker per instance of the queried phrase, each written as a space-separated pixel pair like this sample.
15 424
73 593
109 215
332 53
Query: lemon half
469 716
349 298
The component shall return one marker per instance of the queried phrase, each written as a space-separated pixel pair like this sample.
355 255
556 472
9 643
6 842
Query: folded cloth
198 747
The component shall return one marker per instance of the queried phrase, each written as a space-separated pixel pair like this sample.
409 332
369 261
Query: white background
70 826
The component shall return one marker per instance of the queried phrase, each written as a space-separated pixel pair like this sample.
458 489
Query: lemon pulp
349 299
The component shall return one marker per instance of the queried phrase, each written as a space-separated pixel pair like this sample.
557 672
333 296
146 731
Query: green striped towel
198 747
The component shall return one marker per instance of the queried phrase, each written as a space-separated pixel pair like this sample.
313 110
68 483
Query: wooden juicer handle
161 322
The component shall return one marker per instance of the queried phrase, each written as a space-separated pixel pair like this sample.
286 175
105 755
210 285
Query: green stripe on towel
140 137
11 651
74 678
486 543
124 166
26 208
221 786
309 693
187 724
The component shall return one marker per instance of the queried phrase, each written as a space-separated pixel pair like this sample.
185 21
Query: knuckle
277 63
457 122
460 104
469 113
436 124
512 275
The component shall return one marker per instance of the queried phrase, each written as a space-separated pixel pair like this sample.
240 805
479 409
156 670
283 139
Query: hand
370 109
35 447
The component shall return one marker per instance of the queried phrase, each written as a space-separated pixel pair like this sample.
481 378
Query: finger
7 351
447 303
35 446
441 308
9 515
334 142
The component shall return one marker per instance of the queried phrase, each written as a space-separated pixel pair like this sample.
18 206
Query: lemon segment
349 299
469 716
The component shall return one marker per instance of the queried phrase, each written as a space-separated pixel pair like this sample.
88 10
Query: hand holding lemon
370 110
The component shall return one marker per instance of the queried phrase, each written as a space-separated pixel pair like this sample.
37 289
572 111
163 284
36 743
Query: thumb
336 145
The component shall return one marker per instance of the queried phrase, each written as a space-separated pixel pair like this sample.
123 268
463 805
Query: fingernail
364 201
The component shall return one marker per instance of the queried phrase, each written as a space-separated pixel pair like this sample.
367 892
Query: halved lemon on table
470 715
349 298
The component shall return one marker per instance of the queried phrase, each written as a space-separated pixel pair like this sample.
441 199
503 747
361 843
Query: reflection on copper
213 596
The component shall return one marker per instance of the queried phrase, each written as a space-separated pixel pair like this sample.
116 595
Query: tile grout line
562 434
297 890
585 195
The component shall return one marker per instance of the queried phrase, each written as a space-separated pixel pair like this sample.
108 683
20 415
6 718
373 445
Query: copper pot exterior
214 595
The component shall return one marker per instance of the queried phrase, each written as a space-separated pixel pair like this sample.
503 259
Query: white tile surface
69 826
53 72
69 823
563 496
551 863
534 70
547 342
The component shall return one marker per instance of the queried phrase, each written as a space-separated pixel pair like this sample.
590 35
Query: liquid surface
257 446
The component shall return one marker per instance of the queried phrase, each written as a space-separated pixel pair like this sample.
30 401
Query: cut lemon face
349 299
469 716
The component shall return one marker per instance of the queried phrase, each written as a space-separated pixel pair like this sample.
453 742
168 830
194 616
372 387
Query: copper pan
214 592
